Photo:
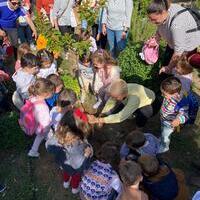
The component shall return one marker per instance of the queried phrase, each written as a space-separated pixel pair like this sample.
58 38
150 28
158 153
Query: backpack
150 51
27 119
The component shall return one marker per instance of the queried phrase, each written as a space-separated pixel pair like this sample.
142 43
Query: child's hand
87 152
92 119
163 70
175 122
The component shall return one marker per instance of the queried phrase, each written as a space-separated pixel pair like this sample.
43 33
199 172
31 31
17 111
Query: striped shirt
168 112
176 36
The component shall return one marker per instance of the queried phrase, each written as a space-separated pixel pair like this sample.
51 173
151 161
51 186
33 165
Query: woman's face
14 4
158 18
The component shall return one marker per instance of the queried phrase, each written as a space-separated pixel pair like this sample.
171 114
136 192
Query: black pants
66 29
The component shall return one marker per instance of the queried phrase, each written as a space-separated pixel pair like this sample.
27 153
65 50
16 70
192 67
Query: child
47 63
131 176
23 78
137 144
183 71
56 80
65 102
101 181
85 74
106 71
22 50
86 36
71 151
169 116
39 91
161 181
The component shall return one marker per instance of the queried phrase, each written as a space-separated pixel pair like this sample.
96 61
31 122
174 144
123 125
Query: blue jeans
25 34
166 131
115 41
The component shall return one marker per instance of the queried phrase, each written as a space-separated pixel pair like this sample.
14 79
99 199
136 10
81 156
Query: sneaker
75 190
2 188
66 184
97 104
33 154
33 47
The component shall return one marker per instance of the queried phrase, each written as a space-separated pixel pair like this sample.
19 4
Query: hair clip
80 115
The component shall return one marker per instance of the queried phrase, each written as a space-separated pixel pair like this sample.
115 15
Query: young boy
138 143
56 80
169 116
131 176
161 181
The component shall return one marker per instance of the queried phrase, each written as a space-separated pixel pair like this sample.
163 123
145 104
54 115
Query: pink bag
27 119
150 51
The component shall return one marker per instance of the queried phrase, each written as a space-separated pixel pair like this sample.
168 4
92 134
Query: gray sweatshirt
117 14
60 7
176 36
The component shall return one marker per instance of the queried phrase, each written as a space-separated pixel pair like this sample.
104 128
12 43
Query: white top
23 81
43 73
55 117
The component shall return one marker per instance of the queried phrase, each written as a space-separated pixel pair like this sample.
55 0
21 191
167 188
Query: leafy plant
137 71
71 83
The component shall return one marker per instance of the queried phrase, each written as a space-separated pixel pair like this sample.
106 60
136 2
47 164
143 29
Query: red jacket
46 4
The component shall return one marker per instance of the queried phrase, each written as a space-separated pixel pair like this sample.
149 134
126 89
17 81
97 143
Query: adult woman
116 22
62 15
176 26
10 10
124 100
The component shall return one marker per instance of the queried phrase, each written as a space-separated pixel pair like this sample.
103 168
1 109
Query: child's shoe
2 188
33 154
75 190
97 104
66 184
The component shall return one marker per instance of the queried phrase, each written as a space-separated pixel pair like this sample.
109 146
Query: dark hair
55 79
158 6
68 124
184 65
41 86
85 57
67 97
23 49
129 172
171 85
45 56
29 60
108 153
135 139
149 164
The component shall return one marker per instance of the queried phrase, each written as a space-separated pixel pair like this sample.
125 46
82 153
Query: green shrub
71 83
11 134
137 71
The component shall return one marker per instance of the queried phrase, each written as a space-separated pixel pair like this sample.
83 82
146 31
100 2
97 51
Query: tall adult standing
10 11
116 23
177 26
62 15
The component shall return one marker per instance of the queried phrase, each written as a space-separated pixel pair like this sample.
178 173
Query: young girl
23 78
39 91
71 151
101 181
106 71
47 63
23 49
183 71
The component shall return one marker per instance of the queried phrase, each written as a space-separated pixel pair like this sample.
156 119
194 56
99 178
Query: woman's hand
104 31
88 152
123 35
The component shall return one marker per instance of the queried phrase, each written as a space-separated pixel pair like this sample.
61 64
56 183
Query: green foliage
141 29
11 134
71 83
137 71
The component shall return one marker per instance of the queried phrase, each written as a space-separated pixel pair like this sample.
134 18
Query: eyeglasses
15 3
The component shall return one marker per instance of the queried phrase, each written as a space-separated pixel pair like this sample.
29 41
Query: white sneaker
97 104
33 154
33 47
66 184
75 190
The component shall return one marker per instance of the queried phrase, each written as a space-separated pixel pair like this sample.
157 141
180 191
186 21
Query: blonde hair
103 57
23 49
41 86
119 87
